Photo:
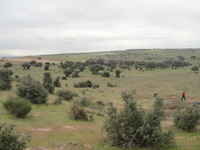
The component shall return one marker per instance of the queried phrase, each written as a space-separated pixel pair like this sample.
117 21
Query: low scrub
78 113
65 94
85 102
10 140
187 119
17 106
111 85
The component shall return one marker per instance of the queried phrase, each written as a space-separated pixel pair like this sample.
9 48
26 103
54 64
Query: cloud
41 27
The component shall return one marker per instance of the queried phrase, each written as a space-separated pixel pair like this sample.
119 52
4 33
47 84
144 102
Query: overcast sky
31 27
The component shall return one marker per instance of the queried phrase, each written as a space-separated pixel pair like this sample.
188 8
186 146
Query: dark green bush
64 78
10 140
65 94
86 84
78 113
117 72
187 119
17 106
32 90
5 80
56 82
47 82
46 67
105 74
8 64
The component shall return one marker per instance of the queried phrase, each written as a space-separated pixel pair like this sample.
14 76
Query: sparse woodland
101 100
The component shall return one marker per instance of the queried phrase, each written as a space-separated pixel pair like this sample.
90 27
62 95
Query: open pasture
50 125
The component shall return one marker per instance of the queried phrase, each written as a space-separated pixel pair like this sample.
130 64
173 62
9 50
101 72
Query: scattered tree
47 82
117 72
32 90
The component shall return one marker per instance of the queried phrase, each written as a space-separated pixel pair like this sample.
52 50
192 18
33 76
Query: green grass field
50 125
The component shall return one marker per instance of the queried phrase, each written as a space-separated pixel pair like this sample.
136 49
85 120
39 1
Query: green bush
187 119
32 90
122 126
86 84
151 133
57 101
56 82
17 106
5 80
128 128
65 94
10 140
47 82
78 113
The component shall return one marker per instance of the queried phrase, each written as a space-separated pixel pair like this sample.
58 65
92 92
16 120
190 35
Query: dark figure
155 95
183 96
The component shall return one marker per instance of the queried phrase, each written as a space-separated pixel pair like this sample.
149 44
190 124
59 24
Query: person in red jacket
183 96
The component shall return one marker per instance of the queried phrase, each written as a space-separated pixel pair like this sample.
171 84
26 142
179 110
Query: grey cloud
50 26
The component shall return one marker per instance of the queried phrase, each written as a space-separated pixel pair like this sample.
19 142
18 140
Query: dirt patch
68 127
42 129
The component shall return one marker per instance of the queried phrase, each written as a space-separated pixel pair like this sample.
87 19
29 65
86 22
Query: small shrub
187 119
58 101
17 106
100 103
78 113
111 85
64 78
74 94
8 64
65 94
86 84
46 67
85 102
95 86
10 140
105 74
56 82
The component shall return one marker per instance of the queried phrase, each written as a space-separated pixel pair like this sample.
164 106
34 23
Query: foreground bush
187 119
78 113
128 128
65 94
17 106
122 126
151 133
32 90
10 140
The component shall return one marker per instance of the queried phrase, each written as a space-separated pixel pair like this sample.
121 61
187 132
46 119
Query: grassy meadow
50 125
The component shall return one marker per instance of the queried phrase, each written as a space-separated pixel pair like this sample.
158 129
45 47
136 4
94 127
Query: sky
34 27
